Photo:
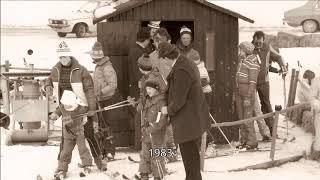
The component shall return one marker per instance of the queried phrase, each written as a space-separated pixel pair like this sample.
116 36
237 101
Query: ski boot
266 139
144 176
102 166
60 175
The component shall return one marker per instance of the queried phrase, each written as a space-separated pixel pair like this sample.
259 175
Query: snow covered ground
26 162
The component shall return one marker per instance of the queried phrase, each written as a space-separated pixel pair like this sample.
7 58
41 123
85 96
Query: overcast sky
36 13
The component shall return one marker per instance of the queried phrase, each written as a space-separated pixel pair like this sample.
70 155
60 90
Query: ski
132 160
112 175
228 153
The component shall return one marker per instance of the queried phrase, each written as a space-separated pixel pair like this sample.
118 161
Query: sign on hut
215 34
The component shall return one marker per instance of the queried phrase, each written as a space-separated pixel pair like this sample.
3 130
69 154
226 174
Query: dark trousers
191 159
89 135
264 95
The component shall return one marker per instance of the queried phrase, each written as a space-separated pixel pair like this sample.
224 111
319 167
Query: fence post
203 150
274 136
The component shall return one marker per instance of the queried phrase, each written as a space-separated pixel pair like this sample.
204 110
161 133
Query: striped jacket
247 72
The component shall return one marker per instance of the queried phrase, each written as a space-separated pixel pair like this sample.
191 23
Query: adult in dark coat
187 108
134 75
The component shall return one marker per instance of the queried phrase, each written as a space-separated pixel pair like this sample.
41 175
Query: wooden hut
215 33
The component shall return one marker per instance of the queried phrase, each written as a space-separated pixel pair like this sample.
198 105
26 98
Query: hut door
210 50
116 38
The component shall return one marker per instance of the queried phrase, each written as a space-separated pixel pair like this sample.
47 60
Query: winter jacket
315 95
161 64
205 79
81 83
266 56
185 50
72 125
247 73
304 91
134 75
187 107
149 115
105 80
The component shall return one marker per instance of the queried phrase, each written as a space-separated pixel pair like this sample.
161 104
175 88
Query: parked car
307 16
79 22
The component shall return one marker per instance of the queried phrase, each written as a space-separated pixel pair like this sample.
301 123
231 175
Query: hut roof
136 3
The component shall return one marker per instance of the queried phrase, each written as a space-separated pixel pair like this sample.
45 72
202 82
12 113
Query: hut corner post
5 89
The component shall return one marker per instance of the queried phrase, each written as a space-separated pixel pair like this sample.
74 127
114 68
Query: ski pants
66 152
264 95
89 135
263 128
247 130
147 163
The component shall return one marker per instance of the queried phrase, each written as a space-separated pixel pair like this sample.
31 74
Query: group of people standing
172 92
170 82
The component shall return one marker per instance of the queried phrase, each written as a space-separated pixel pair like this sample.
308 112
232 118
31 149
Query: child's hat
144 62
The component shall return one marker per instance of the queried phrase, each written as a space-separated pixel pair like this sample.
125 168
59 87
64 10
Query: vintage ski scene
160 89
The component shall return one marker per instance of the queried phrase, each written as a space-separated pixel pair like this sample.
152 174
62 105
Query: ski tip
39 177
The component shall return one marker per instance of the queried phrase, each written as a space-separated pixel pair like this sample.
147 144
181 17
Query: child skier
73 132
153 131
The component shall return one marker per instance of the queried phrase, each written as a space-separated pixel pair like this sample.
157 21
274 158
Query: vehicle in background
79 22
307 16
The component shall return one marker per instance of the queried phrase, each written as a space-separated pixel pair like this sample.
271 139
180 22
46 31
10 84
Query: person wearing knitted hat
105 89
266 54
246 79
68 74
73 132
187 108
184 44
153 131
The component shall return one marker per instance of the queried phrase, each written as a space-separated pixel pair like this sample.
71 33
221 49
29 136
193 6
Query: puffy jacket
81 83
105 80
247 72
149 115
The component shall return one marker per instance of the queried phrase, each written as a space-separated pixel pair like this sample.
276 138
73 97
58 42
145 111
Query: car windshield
88 7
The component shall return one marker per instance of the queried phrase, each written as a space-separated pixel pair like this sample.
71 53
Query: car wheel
61 34
81 30
310 26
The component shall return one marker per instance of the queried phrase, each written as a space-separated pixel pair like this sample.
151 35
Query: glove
95 127
283 71
91 113
247 102
53 116
49 90
66 120
84 121
252 89
131 101
139 107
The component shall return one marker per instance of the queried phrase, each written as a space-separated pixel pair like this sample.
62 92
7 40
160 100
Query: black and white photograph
160 90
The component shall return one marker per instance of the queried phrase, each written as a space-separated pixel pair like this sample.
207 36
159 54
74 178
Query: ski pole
158 164
222 132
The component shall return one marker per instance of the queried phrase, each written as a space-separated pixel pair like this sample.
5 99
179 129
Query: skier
153 131
68 74
304 91
266 55
73 132
105 88
4 120
315 104
246 78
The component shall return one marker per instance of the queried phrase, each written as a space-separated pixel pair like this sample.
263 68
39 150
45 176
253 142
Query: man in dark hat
187 108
